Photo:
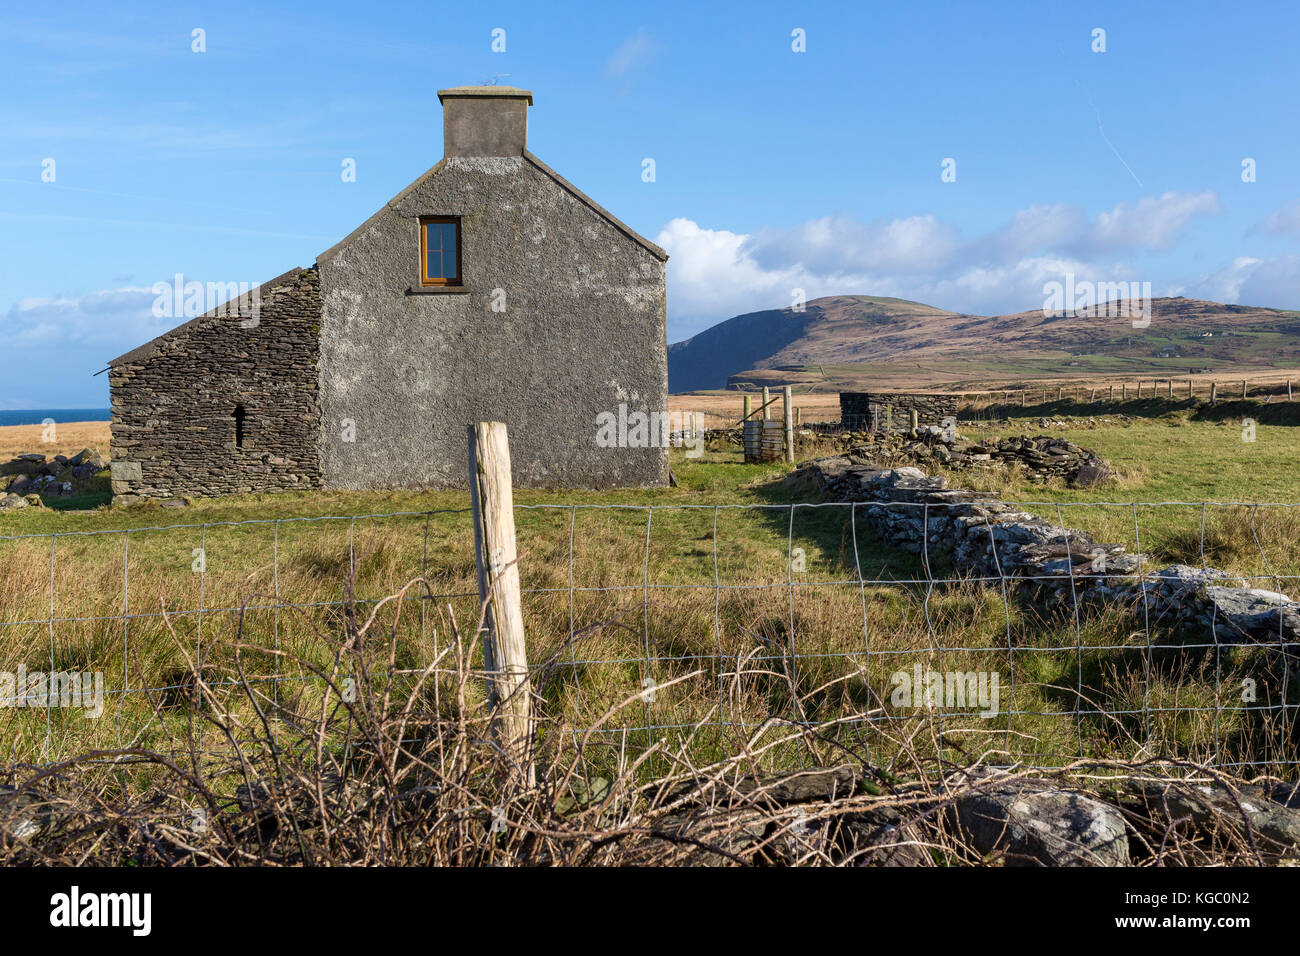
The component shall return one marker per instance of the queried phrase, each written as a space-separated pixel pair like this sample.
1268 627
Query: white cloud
1222 285
1154 223
635 52
715 274
1273 282
1284 222
840 244
105 318
1037 227
62 340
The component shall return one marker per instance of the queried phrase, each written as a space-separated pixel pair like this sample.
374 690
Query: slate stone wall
174 400
857 412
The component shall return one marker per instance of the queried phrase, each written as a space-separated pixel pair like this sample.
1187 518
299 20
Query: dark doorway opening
239 426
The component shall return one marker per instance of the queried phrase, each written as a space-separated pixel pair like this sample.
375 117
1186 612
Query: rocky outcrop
1267 817
1036 823
11 502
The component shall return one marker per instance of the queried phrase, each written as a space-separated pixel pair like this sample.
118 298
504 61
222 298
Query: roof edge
586 200
148 348
600 210
335 249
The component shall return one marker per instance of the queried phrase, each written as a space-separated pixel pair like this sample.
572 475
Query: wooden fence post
749 410
767 403
1171 388
1288 390
1123 392
1111 398
1214 389
505 654
788 409
1243 388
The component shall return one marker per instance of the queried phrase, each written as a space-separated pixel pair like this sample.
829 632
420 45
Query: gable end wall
582 331
173 409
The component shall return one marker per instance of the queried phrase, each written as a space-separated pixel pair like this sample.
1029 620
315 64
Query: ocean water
23 416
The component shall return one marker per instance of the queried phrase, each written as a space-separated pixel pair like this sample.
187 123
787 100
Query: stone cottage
490 288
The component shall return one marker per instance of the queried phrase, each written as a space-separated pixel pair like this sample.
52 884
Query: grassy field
66 438
754 610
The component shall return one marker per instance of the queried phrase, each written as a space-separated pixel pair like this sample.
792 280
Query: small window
239 426
439 251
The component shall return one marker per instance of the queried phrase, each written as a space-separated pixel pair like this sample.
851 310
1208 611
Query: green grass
1178 479
1173 459
616 596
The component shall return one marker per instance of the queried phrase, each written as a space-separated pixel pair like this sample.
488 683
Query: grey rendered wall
403 373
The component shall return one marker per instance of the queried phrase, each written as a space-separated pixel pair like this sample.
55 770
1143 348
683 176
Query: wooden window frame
424 251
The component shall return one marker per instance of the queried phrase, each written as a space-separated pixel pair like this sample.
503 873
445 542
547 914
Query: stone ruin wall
999 542
860 411
173 407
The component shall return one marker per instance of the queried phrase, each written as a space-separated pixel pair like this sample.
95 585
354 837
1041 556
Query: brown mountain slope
846 340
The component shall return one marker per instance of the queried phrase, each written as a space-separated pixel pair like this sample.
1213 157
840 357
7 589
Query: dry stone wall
998 541
892 411
1040 458
226 403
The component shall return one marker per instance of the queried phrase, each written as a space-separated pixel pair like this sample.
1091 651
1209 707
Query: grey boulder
1034 823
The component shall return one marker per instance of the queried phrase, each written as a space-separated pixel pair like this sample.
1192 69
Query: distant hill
850 340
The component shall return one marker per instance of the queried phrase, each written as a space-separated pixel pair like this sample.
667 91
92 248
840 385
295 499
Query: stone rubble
1040 458
991 539
26 478
1004 818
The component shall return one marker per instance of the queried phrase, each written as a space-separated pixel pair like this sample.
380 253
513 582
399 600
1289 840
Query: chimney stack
484 120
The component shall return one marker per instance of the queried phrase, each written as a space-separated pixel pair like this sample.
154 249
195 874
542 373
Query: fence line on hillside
1022 395
1170 388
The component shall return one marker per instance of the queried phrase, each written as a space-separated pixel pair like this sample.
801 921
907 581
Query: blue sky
774 169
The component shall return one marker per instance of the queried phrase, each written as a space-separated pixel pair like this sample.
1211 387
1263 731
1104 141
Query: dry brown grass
723 411
752 675
407 770
70 438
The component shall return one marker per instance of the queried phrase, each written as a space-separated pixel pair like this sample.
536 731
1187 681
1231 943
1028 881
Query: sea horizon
37 416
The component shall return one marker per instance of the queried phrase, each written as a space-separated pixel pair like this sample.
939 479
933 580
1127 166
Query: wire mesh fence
714 620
